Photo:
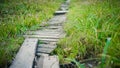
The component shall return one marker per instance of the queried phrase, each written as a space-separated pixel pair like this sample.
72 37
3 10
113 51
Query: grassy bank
17 16
92 30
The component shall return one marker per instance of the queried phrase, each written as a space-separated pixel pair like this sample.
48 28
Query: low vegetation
93 31
17 16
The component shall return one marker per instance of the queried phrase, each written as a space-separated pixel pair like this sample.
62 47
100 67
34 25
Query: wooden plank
46 61
48 39
44 50
54 27
41 60
47 42
47 46
53 30
55 23
39 54
47 30
60 12
43 32
45 36
37 33
26 54
57 20
67 2
64 7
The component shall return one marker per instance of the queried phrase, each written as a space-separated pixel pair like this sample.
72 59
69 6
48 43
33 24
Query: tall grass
90 23
17 16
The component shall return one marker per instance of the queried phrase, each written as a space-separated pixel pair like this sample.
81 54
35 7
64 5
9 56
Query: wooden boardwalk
34 52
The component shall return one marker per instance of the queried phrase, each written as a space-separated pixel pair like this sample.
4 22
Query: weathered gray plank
43 32
57 20
39 54
54 27
45 36
60 12
67 2
47 30
47 42
48 39
53 30
47 46
45 50
64 7
26 54
37 33
56 23
46 61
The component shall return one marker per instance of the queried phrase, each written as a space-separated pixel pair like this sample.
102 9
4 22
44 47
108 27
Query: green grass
17 16
90 23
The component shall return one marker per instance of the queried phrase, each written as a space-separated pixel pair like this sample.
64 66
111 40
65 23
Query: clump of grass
17 16
89 23
79 65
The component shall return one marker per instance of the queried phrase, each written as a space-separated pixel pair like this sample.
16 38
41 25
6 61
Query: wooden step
46 61
26 54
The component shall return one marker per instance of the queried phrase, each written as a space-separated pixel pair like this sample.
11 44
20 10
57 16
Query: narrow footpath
35 50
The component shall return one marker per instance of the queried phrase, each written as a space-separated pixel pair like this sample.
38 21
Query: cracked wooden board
26 54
